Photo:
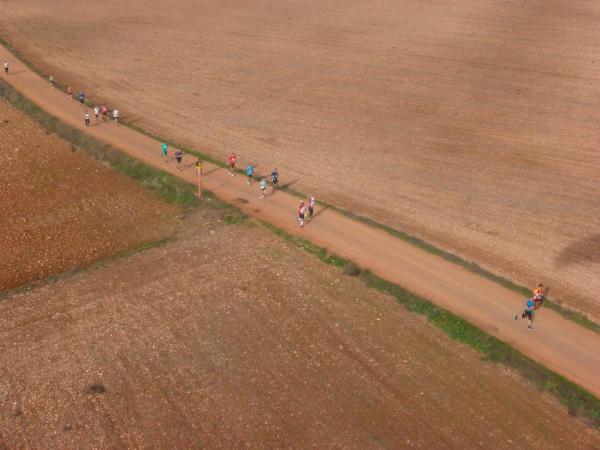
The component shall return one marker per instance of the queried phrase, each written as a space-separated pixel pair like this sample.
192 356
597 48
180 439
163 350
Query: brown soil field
472 124
63 209
229 337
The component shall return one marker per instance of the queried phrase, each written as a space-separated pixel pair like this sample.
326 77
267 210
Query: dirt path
472 125
557 343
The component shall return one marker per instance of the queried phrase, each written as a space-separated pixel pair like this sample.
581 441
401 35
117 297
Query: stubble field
61 209
471 124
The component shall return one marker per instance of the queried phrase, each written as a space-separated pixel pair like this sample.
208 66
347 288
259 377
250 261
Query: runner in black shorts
311 206
275 179
178 156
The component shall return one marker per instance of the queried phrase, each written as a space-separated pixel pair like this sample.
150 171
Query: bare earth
61 208
470 123
229 337
557 343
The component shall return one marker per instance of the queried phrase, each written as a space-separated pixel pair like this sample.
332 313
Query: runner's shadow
320 211
131 120
187 166
17 72
210 171
584 251
289 183
315 215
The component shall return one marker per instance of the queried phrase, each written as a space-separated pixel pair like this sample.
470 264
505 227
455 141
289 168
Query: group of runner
532 304
98 109
305 210
101 113
164 153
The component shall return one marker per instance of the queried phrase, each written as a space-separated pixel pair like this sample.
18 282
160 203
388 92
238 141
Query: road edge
578 401
569 313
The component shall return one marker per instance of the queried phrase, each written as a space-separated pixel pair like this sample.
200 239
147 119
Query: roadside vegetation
173 190
578 401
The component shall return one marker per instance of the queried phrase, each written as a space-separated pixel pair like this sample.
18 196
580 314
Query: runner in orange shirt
539 295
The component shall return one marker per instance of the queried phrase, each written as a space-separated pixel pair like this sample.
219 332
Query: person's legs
530 317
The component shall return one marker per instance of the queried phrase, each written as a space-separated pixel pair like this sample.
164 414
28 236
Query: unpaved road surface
61 208
229 337
471 123
557 343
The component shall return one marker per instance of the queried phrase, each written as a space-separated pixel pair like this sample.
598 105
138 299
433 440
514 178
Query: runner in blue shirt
164 148
529 313
250 173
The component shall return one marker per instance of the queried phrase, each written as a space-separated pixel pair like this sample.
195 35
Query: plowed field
472 124
229 337
62 209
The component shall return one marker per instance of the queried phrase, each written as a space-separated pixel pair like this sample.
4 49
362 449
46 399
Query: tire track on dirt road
557 343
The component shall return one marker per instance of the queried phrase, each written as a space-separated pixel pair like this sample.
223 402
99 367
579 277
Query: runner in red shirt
232 160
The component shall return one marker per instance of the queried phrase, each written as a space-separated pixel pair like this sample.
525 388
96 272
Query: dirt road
472 124
557 343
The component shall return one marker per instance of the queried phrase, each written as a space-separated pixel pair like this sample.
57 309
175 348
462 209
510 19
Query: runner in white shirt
311 206
96 113
6 67
116 116
87 119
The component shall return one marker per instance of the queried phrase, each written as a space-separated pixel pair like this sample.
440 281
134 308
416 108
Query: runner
275 179
231 161
116 116
87 119
529 312
6 67
301 212
250 173
199 166
51 78
178 156
96 113
104 111
70 92
311 206
539 295
164 150
263 186
81 97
